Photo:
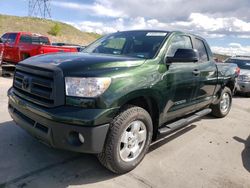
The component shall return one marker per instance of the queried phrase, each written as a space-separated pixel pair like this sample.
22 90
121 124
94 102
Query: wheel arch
24 55
150 104
230 83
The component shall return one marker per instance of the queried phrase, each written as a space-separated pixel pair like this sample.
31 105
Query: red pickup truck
21 45
17 46
1 52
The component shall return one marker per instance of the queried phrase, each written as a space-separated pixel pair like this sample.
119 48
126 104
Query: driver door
10 50
181 80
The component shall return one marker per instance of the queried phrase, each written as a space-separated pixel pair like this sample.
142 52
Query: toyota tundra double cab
120 94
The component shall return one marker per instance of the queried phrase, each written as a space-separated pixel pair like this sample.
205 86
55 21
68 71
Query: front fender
145 93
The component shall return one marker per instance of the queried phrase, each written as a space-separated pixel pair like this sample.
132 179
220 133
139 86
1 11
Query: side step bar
183 122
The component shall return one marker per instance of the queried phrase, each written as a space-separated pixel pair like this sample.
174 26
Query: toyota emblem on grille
26 83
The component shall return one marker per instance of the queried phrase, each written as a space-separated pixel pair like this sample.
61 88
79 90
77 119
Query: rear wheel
224 106
128 140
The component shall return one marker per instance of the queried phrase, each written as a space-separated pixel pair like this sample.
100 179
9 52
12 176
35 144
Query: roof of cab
166 31
27 33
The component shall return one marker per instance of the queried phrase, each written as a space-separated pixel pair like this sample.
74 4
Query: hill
69 34
220 57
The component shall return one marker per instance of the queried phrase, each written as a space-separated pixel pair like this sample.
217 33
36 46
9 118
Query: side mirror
184 55
1 41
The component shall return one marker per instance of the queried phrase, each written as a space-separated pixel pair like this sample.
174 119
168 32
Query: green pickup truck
120 94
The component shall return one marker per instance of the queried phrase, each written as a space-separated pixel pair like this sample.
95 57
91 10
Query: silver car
243 63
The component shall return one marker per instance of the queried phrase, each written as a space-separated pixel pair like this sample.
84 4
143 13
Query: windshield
140 44
242 64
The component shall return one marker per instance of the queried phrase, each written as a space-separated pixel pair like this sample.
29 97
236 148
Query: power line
39 8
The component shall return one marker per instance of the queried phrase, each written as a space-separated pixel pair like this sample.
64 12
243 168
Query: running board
183 122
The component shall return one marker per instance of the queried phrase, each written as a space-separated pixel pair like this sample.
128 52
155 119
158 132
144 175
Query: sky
224 23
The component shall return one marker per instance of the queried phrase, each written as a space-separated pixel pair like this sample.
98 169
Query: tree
55 30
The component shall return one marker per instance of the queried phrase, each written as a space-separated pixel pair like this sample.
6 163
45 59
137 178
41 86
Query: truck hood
79 63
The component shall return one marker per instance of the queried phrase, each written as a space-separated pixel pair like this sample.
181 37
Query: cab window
179 42
200 47
12 38
4 37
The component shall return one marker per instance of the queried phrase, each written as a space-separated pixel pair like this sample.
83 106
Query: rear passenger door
24 46
208 73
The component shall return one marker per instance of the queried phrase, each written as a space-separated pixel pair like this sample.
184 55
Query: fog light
75 138
81 138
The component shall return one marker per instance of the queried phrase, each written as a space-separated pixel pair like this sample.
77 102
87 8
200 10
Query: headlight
86 87
244 78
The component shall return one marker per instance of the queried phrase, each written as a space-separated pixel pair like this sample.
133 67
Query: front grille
39 86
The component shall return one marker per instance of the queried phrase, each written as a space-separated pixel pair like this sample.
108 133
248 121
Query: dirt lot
211 153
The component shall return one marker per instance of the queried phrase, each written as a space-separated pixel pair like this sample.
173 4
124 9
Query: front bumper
62 130
7 68
243 87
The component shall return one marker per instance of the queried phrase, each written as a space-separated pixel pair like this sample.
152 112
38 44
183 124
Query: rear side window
12 38
40 40
179 42
200 46
25 39
35 40
44 40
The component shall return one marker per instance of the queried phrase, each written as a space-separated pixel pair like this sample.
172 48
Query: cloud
163 10
197 23
214 27
212 19
94 27
98 9
179 10
232 49
119 24
235 45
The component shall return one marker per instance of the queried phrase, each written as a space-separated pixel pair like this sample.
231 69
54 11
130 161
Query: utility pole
39 8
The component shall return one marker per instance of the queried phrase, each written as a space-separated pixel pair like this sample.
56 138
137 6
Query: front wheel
128 140
224 106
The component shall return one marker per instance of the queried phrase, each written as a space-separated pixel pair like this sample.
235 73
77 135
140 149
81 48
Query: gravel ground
209 153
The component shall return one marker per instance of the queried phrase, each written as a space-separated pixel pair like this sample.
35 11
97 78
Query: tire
25 56
5 74
248 95
221 109
113 156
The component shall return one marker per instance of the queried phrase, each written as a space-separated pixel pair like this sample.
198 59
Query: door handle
196 72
